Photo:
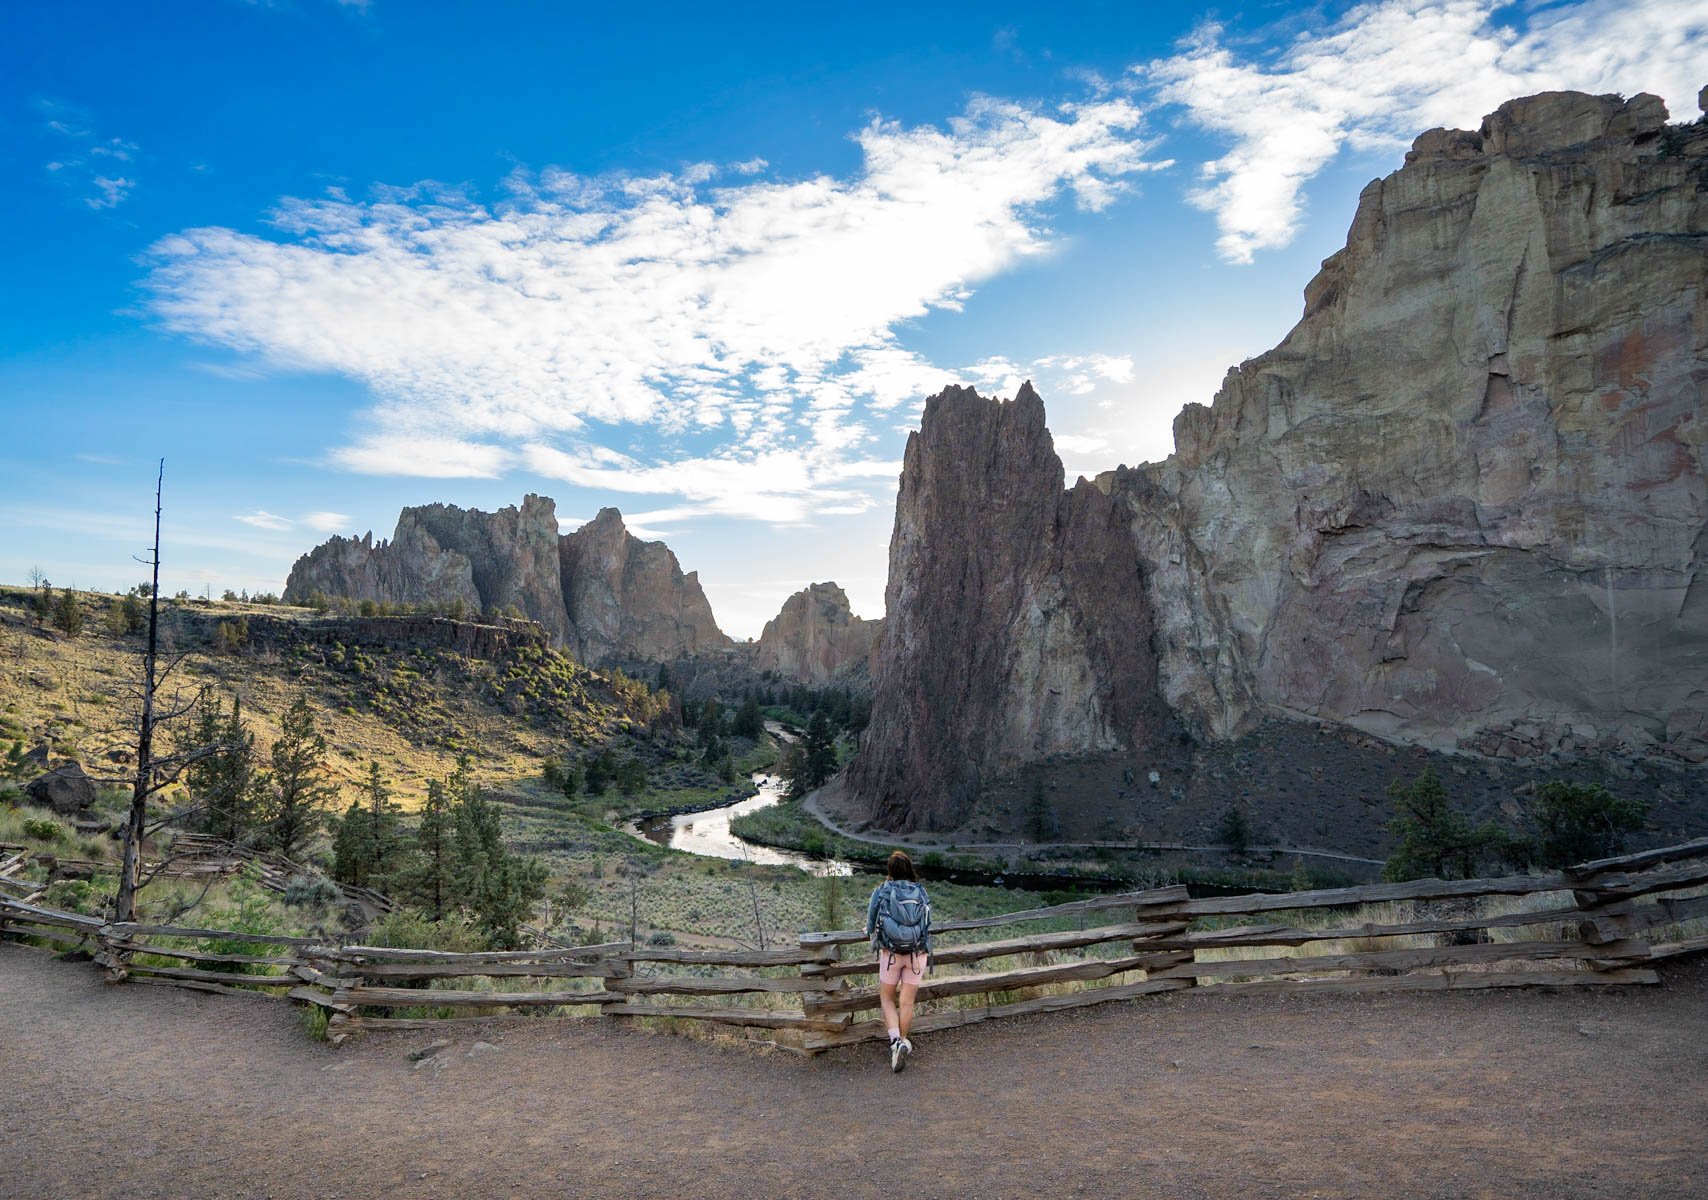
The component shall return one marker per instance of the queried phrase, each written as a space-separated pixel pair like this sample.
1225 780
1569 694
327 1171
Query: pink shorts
901 968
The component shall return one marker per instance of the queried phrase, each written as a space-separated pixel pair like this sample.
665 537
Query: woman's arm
872 912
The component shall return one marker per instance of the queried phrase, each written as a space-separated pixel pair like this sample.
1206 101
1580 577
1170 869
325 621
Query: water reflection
709 833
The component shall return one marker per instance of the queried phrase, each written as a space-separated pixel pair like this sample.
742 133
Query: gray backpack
903 922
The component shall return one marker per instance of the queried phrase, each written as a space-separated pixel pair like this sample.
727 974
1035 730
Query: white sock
895 1033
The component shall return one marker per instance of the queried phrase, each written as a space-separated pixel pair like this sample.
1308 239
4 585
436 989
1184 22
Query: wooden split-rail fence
1604 922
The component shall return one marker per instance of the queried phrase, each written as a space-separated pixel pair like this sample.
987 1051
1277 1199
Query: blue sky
335 258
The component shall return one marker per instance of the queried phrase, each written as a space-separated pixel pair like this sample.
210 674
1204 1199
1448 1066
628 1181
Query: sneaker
907 1045
898 1055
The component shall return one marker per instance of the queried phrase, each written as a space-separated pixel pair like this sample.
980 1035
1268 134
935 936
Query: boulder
66 789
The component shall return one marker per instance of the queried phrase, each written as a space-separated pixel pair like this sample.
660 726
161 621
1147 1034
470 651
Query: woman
898 920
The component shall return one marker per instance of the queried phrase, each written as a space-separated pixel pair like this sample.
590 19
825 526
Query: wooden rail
1603 922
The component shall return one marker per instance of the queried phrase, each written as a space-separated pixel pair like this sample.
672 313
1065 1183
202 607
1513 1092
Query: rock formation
600 591
1463 505
816 637
629 599
1018 625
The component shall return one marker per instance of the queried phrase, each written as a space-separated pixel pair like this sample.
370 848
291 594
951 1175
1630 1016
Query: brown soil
140 1091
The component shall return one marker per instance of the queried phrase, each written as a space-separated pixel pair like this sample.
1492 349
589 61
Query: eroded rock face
816 637
630 600
1463 503
600 590
1018 623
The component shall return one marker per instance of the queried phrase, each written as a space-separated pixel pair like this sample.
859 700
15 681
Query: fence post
109 956
1610 921
812 1003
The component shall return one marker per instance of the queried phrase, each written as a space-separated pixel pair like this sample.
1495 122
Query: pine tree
382 824
1431 837
820 750
299 757
226 785
353 847
1040 820
749 721
68 613
430 884
711 721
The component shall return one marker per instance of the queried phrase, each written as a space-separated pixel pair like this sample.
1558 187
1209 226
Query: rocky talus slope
1462 506
600 591
816 638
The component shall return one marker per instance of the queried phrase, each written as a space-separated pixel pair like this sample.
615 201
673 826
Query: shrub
408 929
248 910
75 895
1234 831
45 829
661 938
311 891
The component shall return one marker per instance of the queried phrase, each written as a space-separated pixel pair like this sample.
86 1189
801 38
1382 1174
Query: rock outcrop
600 591
1018 623
816 638
1463 505
629 599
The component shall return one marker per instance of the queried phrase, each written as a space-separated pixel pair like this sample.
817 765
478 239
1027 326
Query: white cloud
1387 71
325 522
526 332
262 519
429 456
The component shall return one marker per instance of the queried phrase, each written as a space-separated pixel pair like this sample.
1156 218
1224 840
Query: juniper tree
294 802
1432 838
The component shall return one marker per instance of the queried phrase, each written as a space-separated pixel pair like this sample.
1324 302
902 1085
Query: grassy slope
413 711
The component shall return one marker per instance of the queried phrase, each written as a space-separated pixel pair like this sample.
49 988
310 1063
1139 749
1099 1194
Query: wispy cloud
1387 71
91 165
323 522
326 522
262 519
710 304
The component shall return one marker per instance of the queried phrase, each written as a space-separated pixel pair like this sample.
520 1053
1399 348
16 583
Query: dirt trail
152 1092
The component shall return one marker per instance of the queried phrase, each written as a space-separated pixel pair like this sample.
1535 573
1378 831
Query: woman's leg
887 1001
907 991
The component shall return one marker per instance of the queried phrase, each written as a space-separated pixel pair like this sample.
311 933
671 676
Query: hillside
411 693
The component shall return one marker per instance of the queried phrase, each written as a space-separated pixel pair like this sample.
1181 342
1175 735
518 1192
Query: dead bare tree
153 772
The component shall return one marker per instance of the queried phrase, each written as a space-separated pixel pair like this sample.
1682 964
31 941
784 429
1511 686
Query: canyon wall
1462 505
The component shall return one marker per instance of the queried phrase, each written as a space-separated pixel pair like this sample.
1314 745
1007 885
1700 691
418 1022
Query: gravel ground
139 1091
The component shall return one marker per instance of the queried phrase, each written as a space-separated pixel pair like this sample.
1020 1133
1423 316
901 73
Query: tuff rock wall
1463 505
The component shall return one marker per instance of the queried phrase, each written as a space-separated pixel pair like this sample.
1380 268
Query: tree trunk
125 907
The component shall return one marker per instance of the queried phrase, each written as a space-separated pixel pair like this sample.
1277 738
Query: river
709 833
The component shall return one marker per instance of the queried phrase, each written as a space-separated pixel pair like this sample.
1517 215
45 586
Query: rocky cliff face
600 590
1018 623
1462 505
629 599
816 637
